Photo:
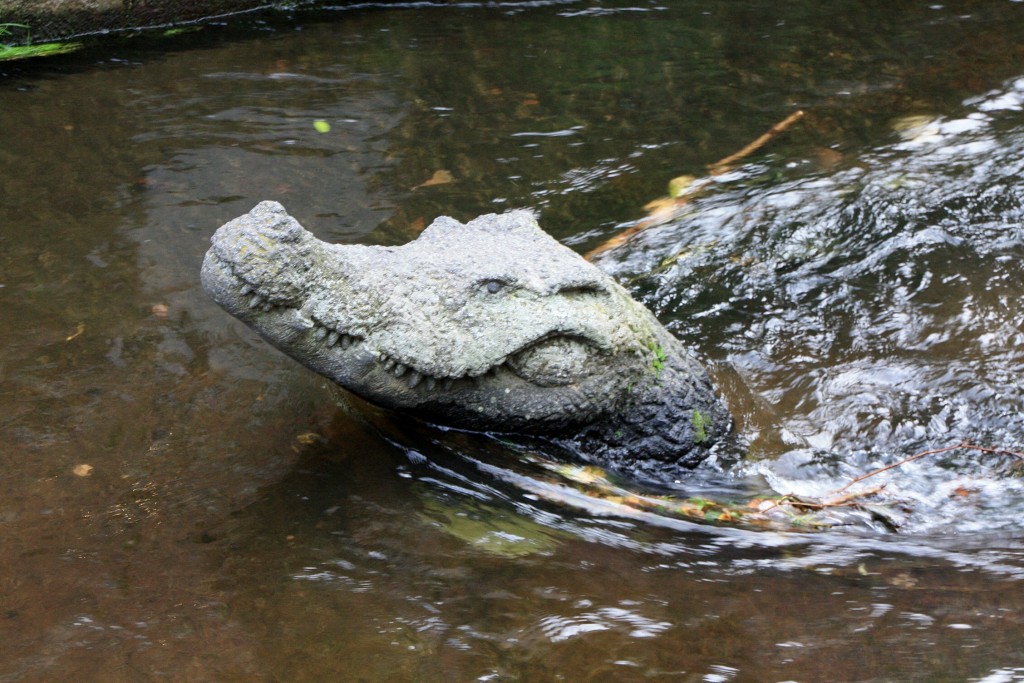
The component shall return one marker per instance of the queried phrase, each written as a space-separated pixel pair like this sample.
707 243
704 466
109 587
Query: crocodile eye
495 285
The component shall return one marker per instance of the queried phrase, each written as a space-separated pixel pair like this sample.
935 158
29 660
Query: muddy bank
50 20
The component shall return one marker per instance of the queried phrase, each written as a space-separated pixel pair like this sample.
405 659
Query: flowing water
180 502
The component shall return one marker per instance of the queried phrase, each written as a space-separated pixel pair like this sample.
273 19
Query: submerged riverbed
180 502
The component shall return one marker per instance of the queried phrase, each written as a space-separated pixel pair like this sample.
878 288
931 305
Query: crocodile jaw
335 309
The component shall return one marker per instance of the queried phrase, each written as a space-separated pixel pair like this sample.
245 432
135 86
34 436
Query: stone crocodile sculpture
490 326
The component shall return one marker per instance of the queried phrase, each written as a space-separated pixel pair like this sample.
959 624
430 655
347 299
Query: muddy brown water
180 502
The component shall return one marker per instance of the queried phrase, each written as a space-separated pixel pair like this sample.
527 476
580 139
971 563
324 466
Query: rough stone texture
492 325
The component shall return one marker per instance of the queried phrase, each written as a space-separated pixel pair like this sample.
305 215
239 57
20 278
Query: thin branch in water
725 165
922 454
616 240
849 500
853 496
665 209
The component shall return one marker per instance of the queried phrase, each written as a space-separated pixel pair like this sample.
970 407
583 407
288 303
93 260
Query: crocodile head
489 325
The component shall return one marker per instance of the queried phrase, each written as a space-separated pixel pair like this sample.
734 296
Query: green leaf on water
322 126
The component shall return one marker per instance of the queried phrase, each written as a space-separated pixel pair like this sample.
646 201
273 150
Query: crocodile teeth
246 289
400 370
332 338
431 383
267 307
256 302
347 341
414 379
389 364
448 383
487 374
319 333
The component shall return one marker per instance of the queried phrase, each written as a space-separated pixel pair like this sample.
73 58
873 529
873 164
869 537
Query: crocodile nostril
582 289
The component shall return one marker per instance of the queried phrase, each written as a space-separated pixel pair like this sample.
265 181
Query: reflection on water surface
855 285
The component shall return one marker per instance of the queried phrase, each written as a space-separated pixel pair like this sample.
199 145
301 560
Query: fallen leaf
964 491
322 126
903 580
159 310
680 185
308 438
911 126
78 331
82 470
828 158
440 177
418 225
